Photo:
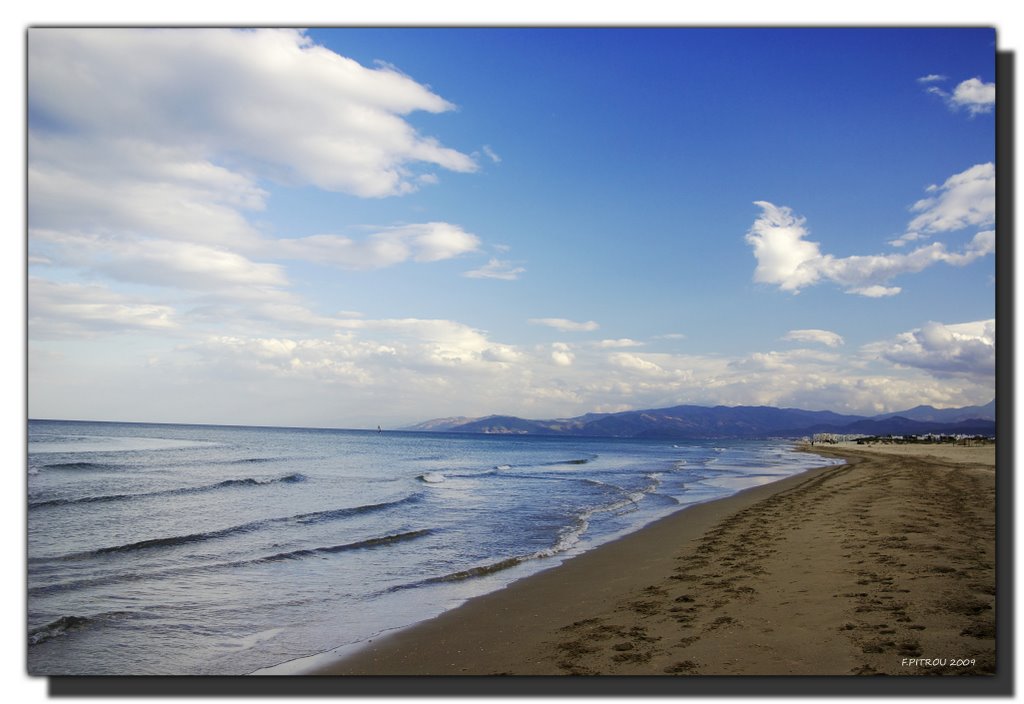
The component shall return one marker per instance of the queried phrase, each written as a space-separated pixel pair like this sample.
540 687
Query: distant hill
704 422
440 425
946 415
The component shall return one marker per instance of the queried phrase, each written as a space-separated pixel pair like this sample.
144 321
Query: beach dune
883 565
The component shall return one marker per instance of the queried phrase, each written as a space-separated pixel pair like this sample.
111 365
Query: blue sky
352 227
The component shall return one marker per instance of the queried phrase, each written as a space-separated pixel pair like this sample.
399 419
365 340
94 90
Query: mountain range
705 422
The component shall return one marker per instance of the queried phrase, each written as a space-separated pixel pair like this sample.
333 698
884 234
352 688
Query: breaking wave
173 541
227 483
69 624
359 545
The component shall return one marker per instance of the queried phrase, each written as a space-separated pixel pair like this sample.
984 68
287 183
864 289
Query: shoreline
835 570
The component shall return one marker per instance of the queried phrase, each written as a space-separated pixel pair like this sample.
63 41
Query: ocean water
205 550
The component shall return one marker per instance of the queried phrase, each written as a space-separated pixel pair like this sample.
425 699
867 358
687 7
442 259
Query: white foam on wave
572 535
432 477
249 641
568 538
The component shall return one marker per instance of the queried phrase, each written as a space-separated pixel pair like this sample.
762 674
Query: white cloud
187 265
636 363
496 269
268 99
151 155
785 258
427 242
561 354
435 342
965 199
167 134
322 361
931 78
73 310
858 272
788 362
184 265
390 370
944 350
973 95
395 357
491 154
507 354
122 187
876 291
238 310
822 337
621 342
565 325
213 287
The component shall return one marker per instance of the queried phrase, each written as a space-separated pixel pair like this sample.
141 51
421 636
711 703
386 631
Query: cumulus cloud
972 95
496 269
787 259
944 350
561 354
783 256
565 325
821 337
975 96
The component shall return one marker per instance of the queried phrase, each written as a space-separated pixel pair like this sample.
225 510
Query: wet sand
883 565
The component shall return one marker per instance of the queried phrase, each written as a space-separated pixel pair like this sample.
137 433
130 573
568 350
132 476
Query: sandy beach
885 565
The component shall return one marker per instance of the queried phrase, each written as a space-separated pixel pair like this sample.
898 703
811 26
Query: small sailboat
379 430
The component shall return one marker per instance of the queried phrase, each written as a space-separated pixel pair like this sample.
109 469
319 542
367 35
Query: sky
346 228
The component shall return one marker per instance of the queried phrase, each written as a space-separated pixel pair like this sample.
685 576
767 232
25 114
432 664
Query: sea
158 549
